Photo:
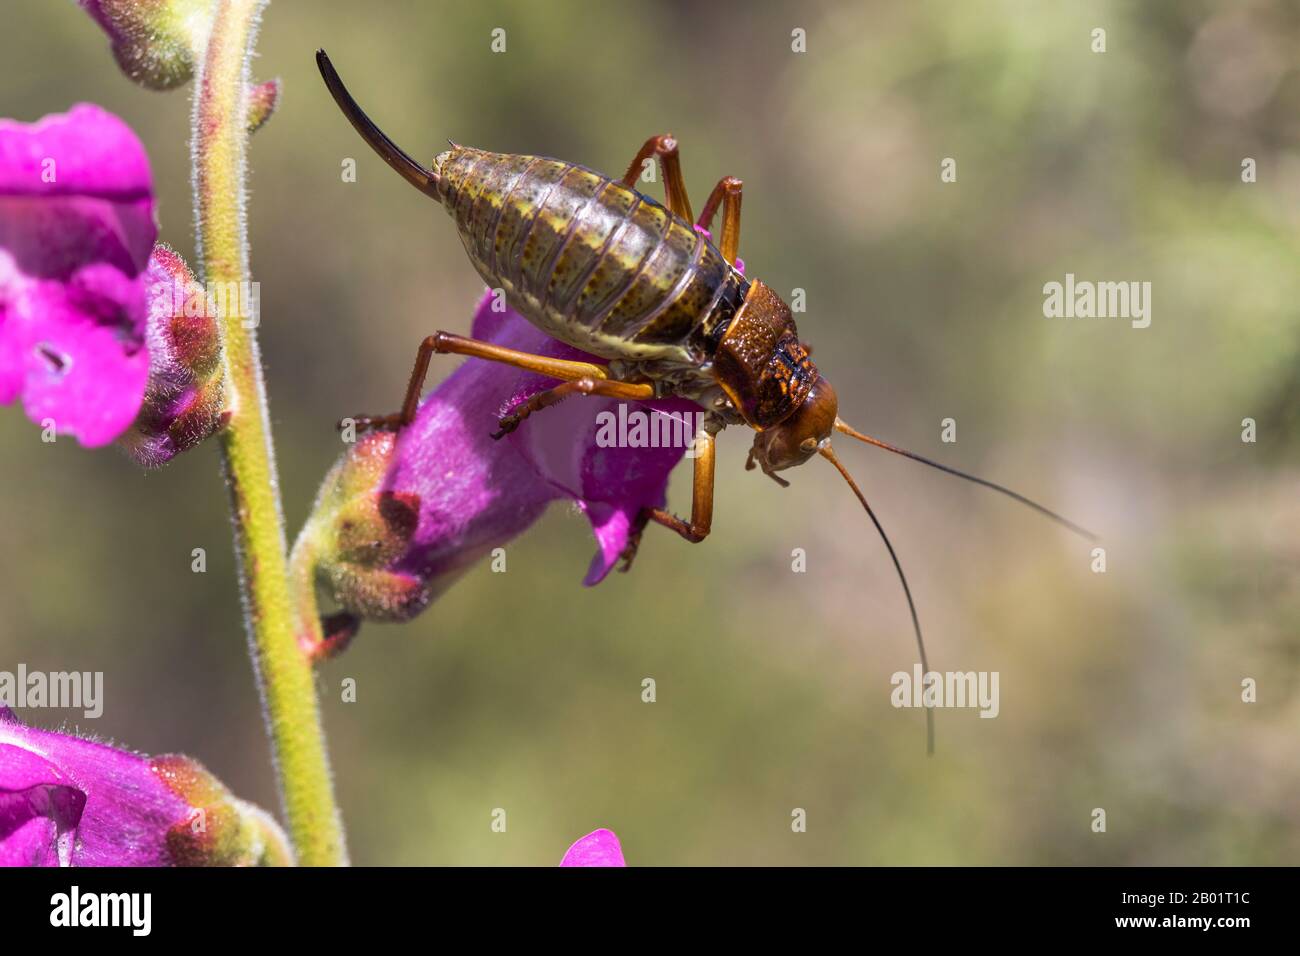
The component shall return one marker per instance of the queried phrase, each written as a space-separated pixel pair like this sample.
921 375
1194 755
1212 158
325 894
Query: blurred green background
522 691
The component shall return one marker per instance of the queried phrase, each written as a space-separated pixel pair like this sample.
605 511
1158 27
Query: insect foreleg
636 391
664 150
695 530
728 194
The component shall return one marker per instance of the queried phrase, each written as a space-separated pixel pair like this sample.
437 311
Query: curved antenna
842 426
907 591
425 180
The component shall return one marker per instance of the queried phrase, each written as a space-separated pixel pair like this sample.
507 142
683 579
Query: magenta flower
558 446
67 801
76 230
402 515
597 848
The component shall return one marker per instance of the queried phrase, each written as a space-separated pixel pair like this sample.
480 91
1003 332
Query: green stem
284 673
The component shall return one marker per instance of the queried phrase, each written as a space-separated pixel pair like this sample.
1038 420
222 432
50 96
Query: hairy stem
284 675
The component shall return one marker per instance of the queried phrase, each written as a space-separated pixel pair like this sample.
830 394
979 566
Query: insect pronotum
607 269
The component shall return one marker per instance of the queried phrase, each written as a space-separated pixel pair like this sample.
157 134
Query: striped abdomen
588 260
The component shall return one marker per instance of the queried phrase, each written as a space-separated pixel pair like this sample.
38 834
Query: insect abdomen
586 259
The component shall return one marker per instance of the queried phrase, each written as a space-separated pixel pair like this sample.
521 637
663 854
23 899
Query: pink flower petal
68 801
597 848
76 229
58 787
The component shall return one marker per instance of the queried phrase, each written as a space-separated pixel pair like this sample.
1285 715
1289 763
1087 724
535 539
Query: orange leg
664 150
728 194
444 343
695 530
635 391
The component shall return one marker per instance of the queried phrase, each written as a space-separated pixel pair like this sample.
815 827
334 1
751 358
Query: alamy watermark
215 300
53 689
649 428
75 908
1073 299
946 689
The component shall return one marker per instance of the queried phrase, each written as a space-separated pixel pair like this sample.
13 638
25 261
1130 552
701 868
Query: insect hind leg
446 343
664 150
728 194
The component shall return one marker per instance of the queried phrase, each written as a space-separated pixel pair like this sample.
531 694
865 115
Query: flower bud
220 829
184 402
360 530
155 42
263 98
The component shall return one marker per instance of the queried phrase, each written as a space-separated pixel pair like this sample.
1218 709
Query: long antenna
911 605
842 426
425 180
